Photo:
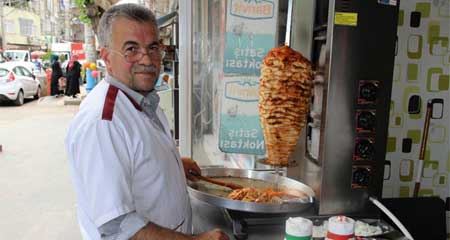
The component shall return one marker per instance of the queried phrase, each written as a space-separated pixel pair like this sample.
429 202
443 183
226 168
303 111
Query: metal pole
185 77
287 39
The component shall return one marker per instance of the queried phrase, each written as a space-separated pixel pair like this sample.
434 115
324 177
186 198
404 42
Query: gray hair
131 11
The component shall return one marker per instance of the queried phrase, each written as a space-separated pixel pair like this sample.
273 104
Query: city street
38 200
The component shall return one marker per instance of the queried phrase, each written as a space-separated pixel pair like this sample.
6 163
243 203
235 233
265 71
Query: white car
23 56
17 83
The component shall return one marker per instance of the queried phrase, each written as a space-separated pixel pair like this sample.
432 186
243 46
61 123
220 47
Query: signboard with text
240 130
77 48
250 33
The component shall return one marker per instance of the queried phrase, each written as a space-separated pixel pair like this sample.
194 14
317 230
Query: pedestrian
73 73
56 75
37 64
129 178
64 62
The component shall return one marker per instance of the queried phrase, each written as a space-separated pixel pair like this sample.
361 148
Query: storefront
341 152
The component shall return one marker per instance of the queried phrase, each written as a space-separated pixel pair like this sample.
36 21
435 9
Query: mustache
144 69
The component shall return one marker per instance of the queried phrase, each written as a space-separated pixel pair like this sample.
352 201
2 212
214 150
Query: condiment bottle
298 228
340 228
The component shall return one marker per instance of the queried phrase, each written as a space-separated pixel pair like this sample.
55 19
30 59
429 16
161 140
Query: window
62 7
26 72
3 72
34 30
26 26
9 26
47 27
49 5
18 71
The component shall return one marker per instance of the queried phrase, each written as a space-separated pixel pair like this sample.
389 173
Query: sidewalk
37 194
64 100
76 101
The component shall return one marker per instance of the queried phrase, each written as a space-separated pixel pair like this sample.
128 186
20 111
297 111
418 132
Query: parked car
17 83
23 56
18 55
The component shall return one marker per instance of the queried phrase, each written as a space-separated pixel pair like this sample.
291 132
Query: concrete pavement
37 198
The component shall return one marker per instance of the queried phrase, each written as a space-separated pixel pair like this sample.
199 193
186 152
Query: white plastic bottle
340 228
298 228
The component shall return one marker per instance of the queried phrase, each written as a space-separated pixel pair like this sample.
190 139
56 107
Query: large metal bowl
282 182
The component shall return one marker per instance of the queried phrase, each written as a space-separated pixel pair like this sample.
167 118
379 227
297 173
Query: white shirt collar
149 102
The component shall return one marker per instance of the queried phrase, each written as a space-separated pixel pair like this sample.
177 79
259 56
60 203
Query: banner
77 48
240 130
250 33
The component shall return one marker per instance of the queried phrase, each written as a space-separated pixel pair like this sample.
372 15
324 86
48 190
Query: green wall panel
401 16
443 82
391 144
415 135
448 162
424 8
413 72
415 46
434 73
404 191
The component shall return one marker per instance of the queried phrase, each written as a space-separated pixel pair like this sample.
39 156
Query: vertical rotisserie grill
284 96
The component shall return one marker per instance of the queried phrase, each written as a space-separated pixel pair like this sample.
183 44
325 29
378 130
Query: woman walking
56 74
73 73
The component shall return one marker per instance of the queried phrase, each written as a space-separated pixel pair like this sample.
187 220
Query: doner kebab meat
284 96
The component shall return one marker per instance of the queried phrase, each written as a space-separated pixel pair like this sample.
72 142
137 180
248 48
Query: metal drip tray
242 221
213 195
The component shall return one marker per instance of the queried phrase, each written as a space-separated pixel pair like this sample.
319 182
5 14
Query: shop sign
250 34
252 9
240 129
77 48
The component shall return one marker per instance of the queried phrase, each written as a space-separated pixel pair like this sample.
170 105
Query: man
128 175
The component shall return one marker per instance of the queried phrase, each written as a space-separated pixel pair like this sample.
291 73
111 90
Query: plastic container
298 228
340 228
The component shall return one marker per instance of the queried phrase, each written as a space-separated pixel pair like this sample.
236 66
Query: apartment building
36 24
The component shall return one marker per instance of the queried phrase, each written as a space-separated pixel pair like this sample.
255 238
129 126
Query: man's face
141 75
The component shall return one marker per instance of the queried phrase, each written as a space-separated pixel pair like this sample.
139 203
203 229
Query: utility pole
89 40
68 28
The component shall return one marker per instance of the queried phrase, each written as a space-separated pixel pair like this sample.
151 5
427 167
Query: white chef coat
121 162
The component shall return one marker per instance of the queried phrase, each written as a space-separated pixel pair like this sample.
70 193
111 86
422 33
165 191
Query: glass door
226 42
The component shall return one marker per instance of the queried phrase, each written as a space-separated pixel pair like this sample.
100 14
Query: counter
207 217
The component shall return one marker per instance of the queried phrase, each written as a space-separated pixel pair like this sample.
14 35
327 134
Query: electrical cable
392 217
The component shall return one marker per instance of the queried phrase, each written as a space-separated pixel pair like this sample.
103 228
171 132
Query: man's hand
215 234
190 168
154 232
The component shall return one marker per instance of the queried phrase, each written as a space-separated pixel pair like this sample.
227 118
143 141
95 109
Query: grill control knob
368 92
364 149
361 177
366 120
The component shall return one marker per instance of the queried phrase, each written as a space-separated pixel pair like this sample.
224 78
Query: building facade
21 28
36 24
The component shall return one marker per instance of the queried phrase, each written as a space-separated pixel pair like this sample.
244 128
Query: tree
92 10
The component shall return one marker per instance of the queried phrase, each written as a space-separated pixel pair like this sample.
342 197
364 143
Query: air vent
344 6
